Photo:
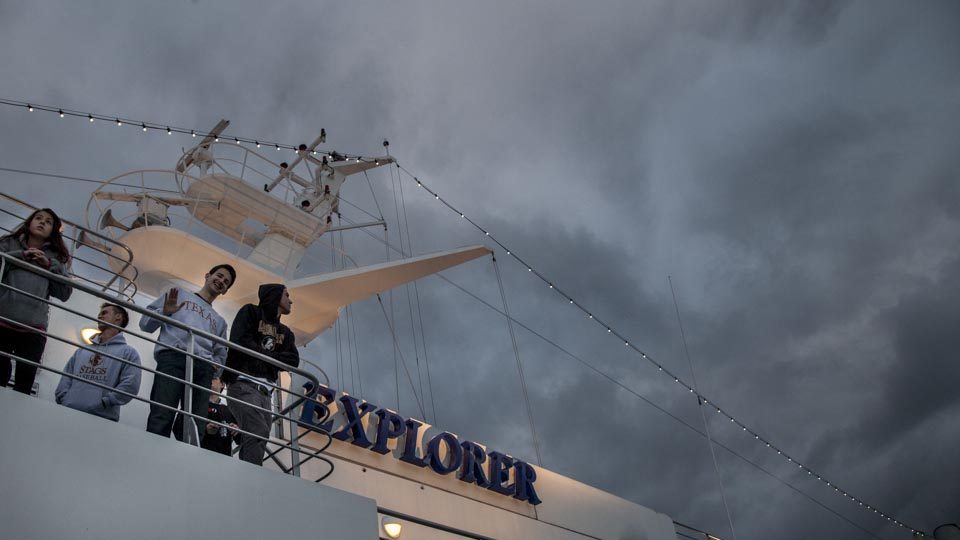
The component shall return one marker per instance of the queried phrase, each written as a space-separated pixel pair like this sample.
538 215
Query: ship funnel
107 220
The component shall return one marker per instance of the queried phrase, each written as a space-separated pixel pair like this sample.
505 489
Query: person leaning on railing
195 310
38 241
99 364
258 328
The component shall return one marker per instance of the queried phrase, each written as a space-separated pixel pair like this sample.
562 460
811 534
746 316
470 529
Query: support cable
405 225
516 353
407 371
703 416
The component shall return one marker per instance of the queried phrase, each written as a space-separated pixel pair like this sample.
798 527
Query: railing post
294 441
188 398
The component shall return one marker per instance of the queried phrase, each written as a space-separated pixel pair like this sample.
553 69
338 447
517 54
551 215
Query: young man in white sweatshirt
194 310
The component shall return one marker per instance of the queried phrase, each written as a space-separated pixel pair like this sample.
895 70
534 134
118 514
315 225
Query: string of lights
589 315
702 399
145 126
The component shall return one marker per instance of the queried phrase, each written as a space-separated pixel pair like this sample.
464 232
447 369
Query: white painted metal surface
67 474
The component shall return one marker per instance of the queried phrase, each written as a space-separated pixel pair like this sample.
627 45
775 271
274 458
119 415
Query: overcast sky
792 165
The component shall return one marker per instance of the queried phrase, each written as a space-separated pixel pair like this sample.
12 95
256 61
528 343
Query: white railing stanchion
190 436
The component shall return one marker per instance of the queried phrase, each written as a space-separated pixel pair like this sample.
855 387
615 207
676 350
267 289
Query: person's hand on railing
170 305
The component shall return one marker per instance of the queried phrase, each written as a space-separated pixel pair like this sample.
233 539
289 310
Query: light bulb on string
144 127
258 144
119 123
29 107
90 116
61 113
169 132
192 133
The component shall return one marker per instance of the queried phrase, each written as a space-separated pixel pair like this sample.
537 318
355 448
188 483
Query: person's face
218 282
286 304
41 225
216 385
108 314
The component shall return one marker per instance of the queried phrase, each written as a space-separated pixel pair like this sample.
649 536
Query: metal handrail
300 398
127 262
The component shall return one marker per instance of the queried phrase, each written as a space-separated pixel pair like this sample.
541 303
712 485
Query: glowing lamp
87 334
391 526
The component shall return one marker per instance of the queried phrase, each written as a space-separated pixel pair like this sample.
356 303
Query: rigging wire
413 388
426 358
405 225
516 354
703 415
79 179
394 183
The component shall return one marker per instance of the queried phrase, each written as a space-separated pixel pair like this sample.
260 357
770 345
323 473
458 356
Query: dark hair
55 239
229 269
124 316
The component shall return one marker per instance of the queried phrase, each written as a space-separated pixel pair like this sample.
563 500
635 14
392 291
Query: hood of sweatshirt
115 340
270 294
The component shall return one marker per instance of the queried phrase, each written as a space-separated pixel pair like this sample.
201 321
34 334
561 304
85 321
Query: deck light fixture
391 526
87 335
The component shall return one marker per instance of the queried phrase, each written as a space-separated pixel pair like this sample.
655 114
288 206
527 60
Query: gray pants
250 419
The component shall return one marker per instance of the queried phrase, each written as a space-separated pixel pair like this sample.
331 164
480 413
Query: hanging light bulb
119 123
144 126
29 107
169 132
90 116
61 113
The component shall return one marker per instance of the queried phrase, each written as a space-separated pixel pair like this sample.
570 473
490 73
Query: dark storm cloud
790 164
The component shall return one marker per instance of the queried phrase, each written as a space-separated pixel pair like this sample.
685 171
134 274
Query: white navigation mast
270 212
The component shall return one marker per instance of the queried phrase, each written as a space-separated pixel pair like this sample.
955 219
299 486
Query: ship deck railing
122 282
280 414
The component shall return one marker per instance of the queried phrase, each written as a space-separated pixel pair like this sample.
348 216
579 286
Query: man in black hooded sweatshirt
258 328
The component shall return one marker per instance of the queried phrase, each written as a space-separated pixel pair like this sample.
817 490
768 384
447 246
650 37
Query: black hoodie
258 328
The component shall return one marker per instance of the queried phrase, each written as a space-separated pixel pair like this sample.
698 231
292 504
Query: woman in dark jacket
39 242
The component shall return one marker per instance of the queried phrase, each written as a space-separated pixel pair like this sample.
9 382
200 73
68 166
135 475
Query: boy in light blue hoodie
101 365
